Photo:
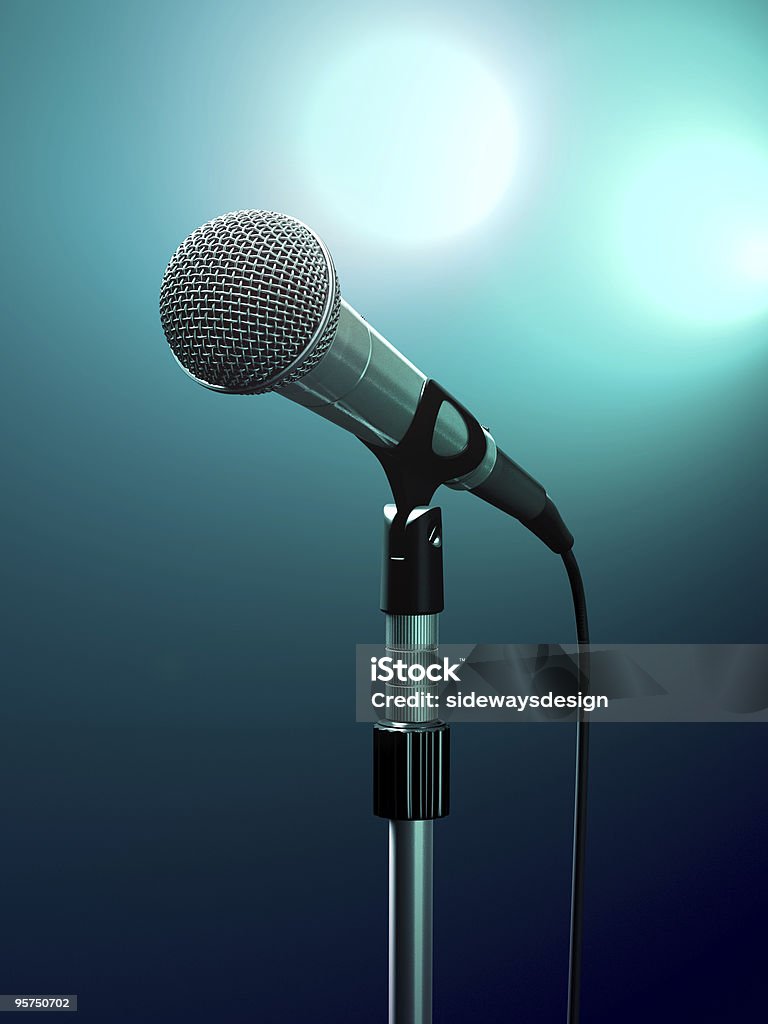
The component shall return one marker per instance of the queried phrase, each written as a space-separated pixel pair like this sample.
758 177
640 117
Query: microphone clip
414 469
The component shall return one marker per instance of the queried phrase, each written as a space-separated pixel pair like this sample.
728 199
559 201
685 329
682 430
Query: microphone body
366 386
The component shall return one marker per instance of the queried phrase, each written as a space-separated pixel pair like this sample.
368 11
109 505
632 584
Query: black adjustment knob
411 773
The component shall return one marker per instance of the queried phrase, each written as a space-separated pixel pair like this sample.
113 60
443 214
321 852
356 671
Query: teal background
185 815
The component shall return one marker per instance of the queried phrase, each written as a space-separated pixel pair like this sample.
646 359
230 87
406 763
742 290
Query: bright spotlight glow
691 232
410 137
752 259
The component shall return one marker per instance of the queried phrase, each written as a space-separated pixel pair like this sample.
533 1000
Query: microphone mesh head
250 302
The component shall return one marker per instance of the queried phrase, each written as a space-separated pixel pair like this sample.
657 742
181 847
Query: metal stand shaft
413 638
410 922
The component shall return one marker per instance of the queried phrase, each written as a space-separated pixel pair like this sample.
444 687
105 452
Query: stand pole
410 921
411 755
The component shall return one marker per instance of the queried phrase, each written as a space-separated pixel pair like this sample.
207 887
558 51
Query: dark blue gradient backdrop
184 795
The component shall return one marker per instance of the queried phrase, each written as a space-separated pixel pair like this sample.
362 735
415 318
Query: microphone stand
411 747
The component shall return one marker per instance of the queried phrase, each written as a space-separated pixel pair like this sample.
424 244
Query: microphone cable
576 943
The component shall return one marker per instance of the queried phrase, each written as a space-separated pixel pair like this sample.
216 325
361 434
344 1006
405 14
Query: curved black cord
579 797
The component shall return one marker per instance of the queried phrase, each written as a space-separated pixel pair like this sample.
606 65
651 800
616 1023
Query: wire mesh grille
245 296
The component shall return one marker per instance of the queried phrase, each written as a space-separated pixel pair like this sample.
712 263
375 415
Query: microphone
250 303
